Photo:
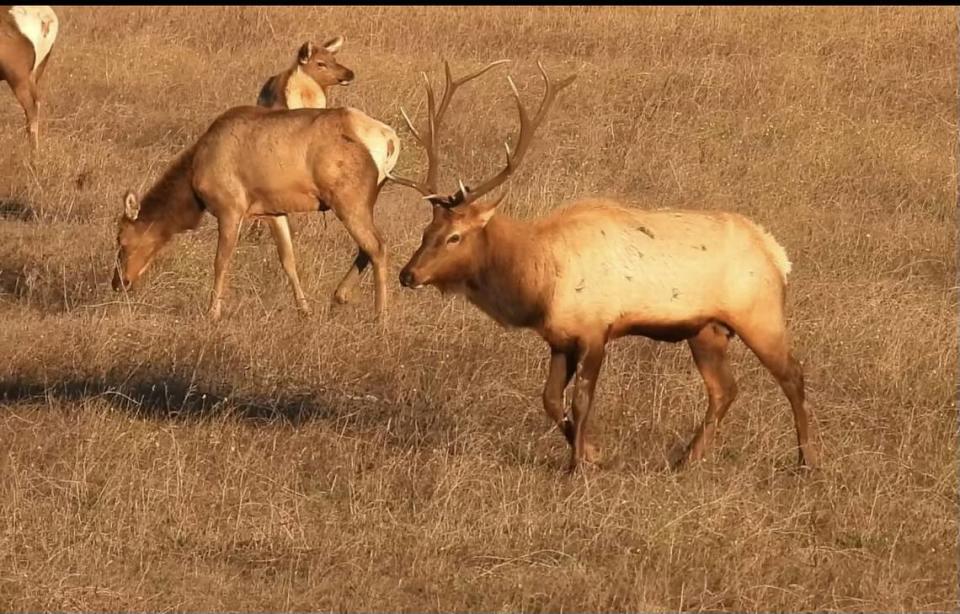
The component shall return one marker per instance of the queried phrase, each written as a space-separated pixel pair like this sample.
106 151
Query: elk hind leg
709 349
349 281
279 226
359 223
767 338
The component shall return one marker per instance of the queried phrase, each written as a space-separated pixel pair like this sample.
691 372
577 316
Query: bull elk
254 162
27 34
597 270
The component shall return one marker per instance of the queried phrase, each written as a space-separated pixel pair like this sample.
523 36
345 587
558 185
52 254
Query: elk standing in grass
598 270
27 34
254 162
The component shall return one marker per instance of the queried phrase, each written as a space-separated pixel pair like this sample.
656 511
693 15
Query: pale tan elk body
598 270
27 35
254 162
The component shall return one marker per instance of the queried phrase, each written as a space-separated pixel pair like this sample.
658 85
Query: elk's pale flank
254 162
597 270
27 34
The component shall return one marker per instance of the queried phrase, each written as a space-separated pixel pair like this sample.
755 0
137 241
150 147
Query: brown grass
152 460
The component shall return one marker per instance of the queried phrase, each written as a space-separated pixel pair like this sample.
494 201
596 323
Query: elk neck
171 205
513 275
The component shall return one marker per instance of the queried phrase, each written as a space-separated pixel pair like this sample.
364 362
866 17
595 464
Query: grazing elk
598 270
27 34
307 83
256 162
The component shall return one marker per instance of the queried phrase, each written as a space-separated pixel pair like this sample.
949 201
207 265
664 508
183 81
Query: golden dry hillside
153 460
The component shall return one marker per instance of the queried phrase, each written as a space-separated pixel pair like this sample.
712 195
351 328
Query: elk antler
527 128
428 138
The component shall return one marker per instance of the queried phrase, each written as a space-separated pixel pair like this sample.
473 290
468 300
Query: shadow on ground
16 209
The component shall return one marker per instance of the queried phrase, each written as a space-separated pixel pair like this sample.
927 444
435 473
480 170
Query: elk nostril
406 278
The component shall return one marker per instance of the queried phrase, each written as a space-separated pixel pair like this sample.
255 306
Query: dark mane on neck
171 201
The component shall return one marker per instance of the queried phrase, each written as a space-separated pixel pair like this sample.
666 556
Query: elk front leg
563 364
280 228
587 373
25 91
229 228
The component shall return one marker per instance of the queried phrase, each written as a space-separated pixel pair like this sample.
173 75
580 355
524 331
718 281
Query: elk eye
321 64
453 239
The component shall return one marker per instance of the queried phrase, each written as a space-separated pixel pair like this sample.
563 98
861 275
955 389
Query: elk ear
333 45
306 50
131 206
485 211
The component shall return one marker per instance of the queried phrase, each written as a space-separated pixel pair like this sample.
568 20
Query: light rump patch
380 140
40 25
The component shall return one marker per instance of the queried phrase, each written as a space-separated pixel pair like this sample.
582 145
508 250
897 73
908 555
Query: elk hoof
213 314
591 454
304 309
341 296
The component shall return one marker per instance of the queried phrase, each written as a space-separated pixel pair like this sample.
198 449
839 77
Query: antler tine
429 137
413 130
525 135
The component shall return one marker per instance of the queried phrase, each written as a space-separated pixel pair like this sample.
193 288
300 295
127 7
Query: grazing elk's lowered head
137 246
454 243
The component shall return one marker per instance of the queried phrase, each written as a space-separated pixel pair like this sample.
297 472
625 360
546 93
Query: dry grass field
153 460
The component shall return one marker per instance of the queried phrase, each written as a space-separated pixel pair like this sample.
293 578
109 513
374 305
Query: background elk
27 34
598 270
255 162
306 84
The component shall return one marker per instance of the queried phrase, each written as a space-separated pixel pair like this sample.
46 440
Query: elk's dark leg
563 364
358 220
281 234
709 350
587 373
349 281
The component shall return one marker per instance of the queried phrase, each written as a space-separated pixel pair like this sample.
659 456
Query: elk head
137 245
320 63
451 243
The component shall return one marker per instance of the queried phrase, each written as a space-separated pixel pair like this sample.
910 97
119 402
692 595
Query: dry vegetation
152 460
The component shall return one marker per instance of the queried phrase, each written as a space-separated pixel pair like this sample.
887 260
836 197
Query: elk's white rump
39 24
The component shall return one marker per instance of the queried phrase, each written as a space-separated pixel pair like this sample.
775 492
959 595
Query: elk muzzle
119 281
346 77
408 279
